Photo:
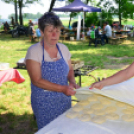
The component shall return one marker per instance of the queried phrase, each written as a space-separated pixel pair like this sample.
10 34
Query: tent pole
83 26
101 19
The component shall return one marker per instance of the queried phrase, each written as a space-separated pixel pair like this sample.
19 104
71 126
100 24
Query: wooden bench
64 36
114 40
117 40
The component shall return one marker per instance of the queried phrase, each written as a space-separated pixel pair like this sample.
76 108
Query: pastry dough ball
85 117
128 111
92 98
128 117
105 101
83 103
112 116
99 119
97 106
77 108
72 114
99 112
130 106
110 109
120 104
88 111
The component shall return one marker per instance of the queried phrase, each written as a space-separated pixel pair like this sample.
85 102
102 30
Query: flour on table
99 119
127 117
85 117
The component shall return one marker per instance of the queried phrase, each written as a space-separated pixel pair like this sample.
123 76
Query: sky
7 9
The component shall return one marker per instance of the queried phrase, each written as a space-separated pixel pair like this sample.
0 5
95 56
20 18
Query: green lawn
15 106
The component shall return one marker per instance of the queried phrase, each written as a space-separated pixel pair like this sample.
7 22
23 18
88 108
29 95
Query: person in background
117 27
118 77
52 76
6 27
12 21
98 32
92 27
107 32
88 32
34 35
30 23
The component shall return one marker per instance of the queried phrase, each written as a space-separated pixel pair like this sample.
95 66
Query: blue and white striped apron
47 105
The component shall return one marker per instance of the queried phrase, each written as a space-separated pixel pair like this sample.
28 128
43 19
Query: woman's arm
34 71
116 78
71 78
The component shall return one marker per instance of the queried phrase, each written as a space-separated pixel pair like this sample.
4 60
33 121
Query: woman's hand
69 90
97 85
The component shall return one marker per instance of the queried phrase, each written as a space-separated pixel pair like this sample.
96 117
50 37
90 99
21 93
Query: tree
21 4
51 5
123 10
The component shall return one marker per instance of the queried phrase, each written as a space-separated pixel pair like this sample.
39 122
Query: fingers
96 85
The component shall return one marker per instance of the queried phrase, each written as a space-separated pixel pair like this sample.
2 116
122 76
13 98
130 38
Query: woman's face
51 35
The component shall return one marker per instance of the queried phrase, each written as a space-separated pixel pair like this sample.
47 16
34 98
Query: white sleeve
32 54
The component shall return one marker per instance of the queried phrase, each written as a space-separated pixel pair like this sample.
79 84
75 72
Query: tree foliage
122 8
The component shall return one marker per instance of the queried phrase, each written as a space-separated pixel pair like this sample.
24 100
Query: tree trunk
20 13
51 5
119 11
70 21
16 12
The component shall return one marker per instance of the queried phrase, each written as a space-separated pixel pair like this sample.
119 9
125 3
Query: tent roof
77 6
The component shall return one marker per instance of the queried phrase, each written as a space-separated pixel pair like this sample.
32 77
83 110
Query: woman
118 77
49 67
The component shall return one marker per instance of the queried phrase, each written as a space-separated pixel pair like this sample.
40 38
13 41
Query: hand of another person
74 85
69 90
97 85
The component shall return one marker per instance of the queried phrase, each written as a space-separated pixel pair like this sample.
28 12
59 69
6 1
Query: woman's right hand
69 90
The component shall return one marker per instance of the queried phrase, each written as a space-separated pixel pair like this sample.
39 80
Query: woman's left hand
74 85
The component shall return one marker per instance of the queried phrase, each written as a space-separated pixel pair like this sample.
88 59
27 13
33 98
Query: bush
92 18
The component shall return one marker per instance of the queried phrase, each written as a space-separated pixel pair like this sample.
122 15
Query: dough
72 114
92 98
99 112
128 111
105 101
110 109
83 102
128 117
99 119
87 111
112 116
77 108
130 106
120 104
97 106
85 117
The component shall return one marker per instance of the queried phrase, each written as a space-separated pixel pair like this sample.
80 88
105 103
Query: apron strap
57 48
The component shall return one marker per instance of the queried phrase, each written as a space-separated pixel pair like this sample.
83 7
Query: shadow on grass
17 124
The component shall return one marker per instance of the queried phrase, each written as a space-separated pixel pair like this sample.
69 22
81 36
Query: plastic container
4 66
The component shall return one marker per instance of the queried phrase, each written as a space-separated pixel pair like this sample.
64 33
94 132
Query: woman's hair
49 18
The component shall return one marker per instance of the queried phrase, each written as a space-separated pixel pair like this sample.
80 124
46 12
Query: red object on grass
11 75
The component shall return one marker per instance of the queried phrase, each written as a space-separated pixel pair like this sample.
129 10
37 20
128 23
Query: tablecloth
64 125
11 75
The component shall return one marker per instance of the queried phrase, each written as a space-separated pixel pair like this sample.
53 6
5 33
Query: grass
15 105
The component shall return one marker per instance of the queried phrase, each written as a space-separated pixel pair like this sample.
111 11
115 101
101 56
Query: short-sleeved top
35 52
108 30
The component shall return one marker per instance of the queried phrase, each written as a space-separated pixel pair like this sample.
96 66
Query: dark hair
106 22
49 18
